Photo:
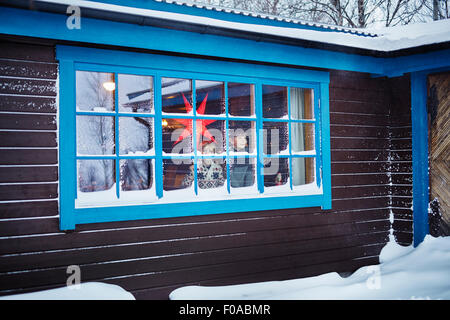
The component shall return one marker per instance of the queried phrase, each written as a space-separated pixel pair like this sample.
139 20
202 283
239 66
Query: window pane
303 171
241 136
302 135
211 136
177 136
302 103
210 97
274 102
135 135
176 95
211 173
242 172
276 137
95 176
136 174
178 174
135 93
276 171
241 99
95 135
95 91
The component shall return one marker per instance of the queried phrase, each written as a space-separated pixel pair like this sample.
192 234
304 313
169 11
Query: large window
172 143
207 151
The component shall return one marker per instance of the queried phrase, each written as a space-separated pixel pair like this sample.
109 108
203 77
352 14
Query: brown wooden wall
151 258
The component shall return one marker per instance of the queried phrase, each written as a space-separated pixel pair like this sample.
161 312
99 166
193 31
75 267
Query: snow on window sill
108 198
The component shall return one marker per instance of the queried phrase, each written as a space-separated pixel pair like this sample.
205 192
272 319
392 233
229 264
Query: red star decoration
201 129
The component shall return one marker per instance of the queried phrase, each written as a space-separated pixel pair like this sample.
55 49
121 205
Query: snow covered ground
83 291
403 273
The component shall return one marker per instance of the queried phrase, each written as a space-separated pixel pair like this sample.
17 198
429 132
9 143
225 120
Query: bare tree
400 12
349 13
98 131
440 9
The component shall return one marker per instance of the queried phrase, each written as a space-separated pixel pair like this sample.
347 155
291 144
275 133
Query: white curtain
297 135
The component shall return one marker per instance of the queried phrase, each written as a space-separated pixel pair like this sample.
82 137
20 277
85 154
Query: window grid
291 121
157 117
117 115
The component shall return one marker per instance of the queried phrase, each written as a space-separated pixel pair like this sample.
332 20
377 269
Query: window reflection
210 97
241 99
176 95
135 93
274 101
95 91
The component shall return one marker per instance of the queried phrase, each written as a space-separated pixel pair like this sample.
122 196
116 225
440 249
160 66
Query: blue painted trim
67 150
227 140
53 26
194 134
420 152
122 213
419 122
158 137
325 145
259 137
116 134
104 60
71 215
290 135
419 62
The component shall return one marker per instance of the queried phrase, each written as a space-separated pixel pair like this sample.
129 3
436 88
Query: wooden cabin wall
150 258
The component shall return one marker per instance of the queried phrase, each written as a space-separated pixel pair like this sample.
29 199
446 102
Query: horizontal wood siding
28 140
400 159
151 258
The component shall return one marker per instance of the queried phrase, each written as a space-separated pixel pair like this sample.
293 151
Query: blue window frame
264 81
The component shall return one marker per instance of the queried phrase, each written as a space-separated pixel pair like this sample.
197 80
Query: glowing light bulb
109 86
165 123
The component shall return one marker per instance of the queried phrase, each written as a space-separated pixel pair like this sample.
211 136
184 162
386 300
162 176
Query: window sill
94 200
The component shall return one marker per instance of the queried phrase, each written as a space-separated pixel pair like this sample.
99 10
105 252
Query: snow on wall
388 39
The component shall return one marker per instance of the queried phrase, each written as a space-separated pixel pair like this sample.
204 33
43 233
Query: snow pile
83 291
403 273
413 35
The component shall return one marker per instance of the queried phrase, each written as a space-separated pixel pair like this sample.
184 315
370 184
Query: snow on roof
269 17
387 39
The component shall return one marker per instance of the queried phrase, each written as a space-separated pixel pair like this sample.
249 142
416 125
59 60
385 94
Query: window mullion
157 103
259 137
227 136
317 132
194 134
116 134
288 89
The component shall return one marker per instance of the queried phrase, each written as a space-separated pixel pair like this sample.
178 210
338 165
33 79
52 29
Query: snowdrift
403 273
